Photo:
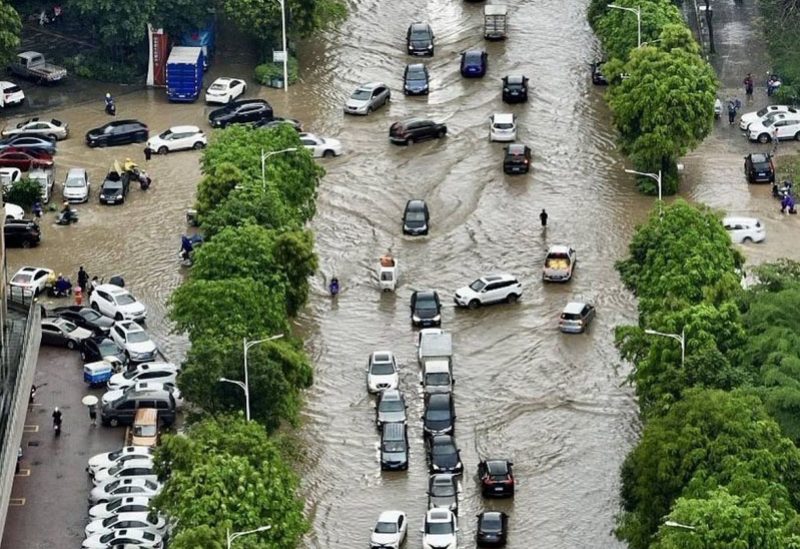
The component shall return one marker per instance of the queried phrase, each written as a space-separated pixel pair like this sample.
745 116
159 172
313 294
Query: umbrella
89 400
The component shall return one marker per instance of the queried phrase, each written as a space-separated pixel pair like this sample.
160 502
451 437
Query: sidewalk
49 497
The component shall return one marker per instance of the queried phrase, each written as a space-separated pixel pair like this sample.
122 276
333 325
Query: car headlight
437 318
435 467
430 46
416 318
410 47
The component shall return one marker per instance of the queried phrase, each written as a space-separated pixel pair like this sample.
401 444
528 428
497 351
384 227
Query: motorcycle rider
111 108
333 287
57 420
186 248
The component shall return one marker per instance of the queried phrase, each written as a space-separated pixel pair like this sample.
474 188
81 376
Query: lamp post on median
264 157
680 338
230 537
673 524
657 178
245 385
285 53
638 11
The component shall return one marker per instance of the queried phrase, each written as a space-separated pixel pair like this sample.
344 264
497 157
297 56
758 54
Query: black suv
758 168
419 39
598 78
415 218
114 188
416 79
515 88
237 112
406 132
118 132
22 233
517 159
426 309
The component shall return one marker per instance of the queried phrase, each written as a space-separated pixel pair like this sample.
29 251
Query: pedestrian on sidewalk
93 414
148 152
748 86
775 141
543 218
83 279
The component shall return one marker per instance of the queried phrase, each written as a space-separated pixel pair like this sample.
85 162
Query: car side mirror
453 381
422 530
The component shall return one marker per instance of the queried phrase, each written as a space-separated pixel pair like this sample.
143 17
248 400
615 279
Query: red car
15 158
497 478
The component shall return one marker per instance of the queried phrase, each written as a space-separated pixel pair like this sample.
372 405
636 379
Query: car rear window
570 316
12 89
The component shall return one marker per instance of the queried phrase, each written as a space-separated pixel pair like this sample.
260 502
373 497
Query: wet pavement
556 405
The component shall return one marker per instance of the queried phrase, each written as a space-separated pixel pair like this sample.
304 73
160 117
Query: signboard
157 63
278 56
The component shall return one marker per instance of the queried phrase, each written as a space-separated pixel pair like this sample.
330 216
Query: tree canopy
618 28
10 29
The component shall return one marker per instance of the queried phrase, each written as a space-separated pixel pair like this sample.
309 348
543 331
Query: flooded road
556 405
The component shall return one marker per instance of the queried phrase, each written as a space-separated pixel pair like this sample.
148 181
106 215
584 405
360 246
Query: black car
114 188
758 168
407 132
416 218
474 63
598 78
277 122
517 159
419 39
439 417
515 88
443 455
85 317
240 111
416 80
497 478
492 529
21 233
426 309
443 492
99 347
63 333
118 132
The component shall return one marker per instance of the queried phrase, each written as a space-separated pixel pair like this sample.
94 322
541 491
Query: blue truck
185 74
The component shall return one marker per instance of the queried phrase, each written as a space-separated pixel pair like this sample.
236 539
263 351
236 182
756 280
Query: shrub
266 73
24 193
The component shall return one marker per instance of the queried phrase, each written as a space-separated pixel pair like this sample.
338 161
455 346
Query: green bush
95 67
267 72
24 193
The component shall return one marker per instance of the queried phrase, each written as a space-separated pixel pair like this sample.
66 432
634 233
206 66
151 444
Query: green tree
120 27
24 193
618 31
663 109
10 30
262 18
228 474
179 16
710 438
233 308
203 536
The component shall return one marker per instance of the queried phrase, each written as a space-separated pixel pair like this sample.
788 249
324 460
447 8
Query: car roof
112 289
759 157
515 79
439 515
558 250
439 399
182 129
225 79
391 394
473 53
419 26
497 276
442 478
415 203
516 148
390 516
503 117
28 269
378 356
129 326
574 307
76 171
369 86
491 515
10 170
415 67
740 220
441 440
495 466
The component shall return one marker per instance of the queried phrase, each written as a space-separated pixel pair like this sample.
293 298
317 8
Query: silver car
368 98
76 185
54 129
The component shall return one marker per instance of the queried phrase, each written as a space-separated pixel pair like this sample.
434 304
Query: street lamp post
655 177
264 157
680 338
638 11
245 385
231 537
285 53
673 524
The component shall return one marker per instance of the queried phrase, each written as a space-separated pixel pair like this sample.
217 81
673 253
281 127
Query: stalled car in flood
559 264
515 88
517 159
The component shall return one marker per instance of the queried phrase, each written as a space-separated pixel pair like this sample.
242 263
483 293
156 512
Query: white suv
493 288
763 114
162 372
117 303
439 530
745 229
787 124
382 372
134 340
503 127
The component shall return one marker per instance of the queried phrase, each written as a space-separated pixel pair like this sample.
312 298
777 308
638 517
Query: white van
437 377
45 178
744 229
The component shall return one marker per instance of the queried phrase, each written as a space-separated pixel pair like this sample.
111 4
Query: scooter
111 108
717 108
57 428
67 217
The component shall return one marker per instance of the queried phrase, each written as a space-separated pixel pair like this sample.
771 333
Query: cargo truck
184 74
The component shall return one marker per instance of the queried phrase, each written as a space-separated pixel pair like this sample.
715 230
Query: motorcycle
188 245
717 108
773 83
67 216
111 108
57 428
781 192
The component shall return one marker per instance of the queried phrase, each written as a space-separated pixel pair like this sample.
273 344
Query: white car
745 229
12 94
786 123
117 303
382 372
390 530
439 530
76 186
495 288
224 90
150 522
31 280
9 176
134 341
178 138
133 468
120 487
321 147
763 114
13 211
124 538
110 459
162 372
143 387
127 504
503 127
54 129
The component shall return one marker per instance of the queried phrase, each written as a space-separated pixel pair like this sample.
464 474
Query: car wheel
26 244
142 138
369 109
410 141
442 133
113 422
163 150
512 298
327 154
70 345
474 304
197 146
763 138
797 136
747 239
118 316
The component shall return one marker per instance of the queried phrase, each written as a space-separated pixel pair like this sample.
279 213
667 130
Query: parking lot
48 508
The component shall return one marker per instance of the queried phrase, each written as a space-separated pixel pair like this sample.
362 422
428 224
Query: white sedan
320 146
12 94
126 504
124 538
110 459
31 280
141 521
390 530
224 90
178 138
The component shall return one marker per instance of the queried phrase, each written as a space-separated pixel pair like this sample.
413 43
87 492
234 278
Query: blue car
29 143
416 80
473 63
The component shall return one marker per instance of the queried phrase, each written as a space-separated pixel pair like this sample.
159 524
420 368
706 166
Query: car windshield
216 86
91 315
130 374
570 316
386 528
438 528
382 369
124 299
391 406
472 57
415 216
762 112
437 379
74 182
415 74
761 166
497 468
443 450
109 185
768 122
68 326
144 430
491 523
420 34
426 305
394 446
443 490
114 455
167 133
108 347
114 504
137 337
361 95
438 414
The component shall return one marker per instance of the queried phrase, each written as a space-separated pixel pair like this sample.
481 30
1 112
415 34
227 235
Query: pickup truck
31 65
